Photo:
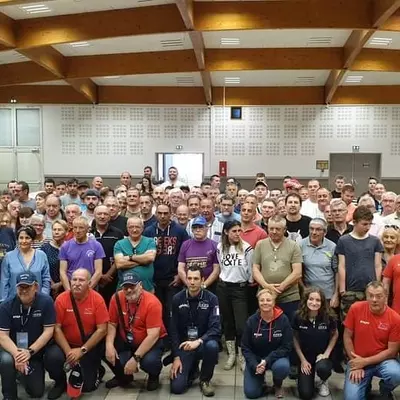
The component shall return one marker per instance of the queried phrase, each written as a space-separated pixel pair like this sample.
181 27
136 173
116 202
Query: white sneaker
324 390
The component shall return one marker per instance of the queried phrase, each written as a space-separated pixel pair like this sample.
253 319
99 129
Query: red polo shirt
253 235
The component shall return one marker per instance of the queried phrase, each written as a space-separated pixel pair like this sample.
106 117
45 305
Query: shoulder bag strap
120 313
78 318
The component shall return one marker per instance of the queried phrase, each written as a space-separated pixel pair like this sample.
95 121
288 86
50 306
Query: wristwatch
31 351
84 350
137 358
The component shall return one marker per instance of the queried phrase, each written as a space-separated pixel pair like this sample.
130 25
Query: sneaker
279 392
207 388
100 376
153 383
56 391
114 382
324 390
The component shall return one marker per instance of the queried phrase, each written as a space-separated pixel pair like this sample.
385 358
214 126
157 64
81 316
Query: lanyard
24 322
131 316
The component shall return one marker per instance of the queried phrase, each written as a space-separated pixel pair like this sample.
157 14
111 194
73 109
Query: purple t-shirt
202 254
81 255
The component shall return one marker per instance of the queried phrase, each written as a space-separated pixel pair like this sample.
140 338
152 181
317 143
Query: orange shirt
148 315
92 310
253 235
372 333
392 271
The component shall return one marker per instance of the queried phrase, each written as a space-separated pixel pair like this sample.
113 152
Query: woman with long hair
315 335
266 344
24 218
146 185
235 261
24 258
52 250
40 200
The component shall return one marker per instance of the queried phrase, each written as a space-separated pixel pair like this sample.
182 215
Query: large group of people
298 280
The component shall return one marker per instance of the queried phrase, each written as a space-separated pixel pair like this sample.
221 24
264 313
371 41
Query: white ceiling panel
11 56
372 78
64 7
51 83
269 38
384 40
271 78
176 79
128 44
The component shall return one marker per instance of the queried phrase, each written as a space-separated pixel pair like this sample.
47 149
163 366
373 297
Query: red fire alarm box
223 168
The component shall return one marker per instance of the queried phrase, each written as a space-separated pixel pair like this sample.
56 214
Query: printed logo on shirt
383 326
203 305
166 245
216 310
37 313
16 316
277 334
69 310
88 311
232 260
364 322
184 305
322 326
90 253
303 327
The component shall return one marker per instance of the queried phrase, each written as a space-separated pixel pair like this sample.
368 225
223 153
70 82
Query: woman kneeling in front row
315 335
266 344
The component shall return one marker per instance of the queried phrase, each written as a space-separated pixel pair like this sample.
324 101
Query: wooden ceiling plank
7 32
98 25
86 87
383 11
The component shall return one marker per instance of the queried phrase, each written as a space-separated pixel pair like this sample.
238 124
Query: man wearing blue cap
26 326
135 334
201 252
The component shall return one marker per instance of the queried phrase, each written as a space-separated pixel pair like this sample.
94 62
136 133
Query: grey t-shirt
359 260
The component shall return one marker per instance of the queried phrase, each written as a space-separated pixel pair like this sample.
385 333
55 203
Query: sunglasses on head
395 227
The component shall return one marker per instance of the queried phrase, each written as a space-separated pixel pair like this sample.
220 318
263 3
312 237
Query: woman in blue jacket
24 258
266 344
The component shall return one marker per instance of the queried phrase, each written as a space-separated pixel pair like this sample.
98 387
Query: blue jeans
208 352
289 308
388 371
254 384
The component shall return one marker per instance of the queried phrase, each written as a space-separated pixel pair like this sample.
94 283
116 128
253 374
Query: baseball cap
83 184
199 221
92 192
75 382
130 278
26 278
261 183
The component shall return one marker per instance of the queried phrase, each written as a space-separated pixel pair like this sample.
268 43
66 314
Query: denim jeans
388 371
254 384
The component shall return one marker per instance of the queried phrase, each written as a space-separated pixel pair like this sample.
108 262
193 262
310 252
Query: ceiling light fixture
319 40
304 80
35 8
112 77
354 79
381 41
172 43
185 81
232 80
230 41
79 44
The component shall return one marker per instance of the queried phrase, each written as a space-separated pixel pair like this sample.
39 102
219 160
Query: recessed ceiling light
170 43
230 41
354 79
112 77
79 44
185 81
231 80
304 80
35 8
380 41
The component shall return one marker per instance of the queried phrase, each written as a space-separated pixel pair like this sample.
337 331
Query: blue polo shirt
41 315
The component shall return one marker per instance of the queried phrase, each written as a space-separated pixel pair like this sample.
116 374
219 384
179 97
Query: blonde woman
235 258
390 240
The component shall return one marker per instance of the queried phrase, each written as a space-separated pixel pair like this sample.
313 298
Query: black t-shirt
333 235
313 336
41 314
336 195
120 223
300 227
107 241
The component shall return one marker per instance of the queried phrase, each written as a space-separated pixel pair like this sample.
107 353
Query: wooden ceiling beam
98 25
234 15
86 87
7 32
185 8
382 10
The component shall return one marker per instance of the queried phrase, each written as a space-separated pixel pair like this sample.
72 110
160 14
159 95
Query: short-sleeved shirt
146 272
298 230
313 336
81 255
202 254
333 235
392 271
319 265
372 333
359 260
92 310
147 315
41 315
253 235
52 254
276 266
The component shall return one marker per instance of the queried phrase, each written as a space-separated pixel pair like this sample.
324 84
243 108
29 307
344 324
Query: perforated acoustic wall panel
86 140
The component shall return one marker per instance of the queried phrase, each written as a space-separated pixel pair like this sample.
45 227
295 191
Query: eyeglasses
395 227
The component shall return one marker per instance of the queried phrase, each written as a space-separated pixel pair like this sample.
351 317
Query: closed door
356 168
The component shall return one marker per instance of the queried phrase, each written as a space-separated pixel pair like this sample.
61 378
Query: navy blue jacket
266 341
7 241
204 310
168 245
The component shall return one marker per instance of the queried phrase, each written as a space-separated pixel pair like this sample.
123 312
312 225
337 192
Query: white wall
89 140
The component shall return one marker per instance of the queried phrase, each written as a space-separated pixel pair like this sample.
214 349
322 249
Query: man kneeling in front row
135 334
372 341
26 326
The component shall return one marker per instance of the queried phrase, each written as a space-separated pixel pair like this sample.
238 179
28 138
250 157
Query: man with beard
91 200
297 225
158 195
49 185
172 179
72 196
116 220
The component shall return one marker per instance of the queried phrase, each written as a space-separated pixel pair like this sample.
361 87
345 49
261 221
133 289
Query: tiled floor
229 386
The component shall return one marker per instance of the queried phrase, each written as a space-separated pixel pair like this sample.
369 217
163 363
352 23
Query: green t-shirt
146 272
277 265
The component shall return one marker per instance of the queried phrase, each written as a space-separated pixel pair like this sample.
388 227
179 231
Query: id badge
193 333
22 340
129 337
